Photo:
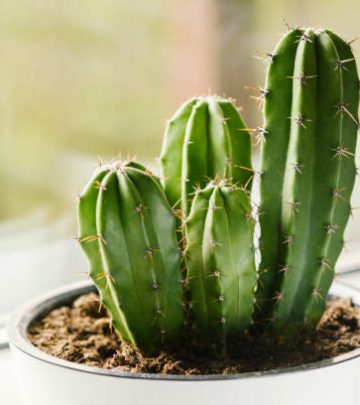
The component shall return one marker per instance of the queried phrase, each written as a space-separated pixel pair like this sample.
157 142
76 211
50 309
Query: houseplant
199 287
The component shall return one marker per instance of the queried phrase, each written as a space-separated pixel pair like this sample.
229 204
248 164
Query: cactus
221 273
127 227
308 172
127 230
205 138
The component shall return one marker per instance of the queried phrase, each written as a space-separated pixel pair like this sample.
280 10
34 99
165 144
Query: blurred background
81 79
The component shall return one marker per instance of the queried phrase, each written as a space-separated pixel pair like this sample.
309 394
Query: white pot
46 380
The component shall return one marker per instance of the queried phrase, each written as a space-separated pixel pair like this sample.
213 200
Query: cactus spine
308 173
205 138
127 230
220 262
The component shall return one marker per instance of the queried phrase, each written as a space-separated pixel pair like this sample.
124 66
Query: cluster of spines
127 230
308 172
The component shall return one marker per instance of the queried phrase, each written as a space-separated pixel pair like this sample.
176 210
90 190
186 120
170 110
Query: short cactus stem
310 112
220 262
205 138
127 230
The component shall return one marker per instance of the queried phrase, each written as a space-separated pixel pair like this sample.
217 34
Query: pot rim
34 309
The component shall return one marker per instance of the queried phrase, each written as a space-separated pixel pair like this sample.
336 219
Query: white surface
9 393
35 259
350 279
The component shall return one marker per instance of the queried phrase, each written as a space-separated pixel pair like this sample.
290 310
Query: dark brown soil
82 333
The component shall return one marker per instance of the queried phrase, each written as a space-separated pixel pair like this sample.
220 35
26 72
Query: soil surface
82 333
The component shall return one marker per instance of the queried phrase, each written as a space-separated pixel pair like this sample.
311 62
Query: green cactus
205 138
221 273
307 174
127 230
127 227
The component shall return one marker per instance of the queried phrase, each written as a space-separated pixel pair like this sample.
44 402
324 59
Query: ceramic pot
44 379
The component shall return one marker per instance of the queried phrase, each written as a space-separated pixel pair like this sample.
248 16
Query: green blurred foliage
82 74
